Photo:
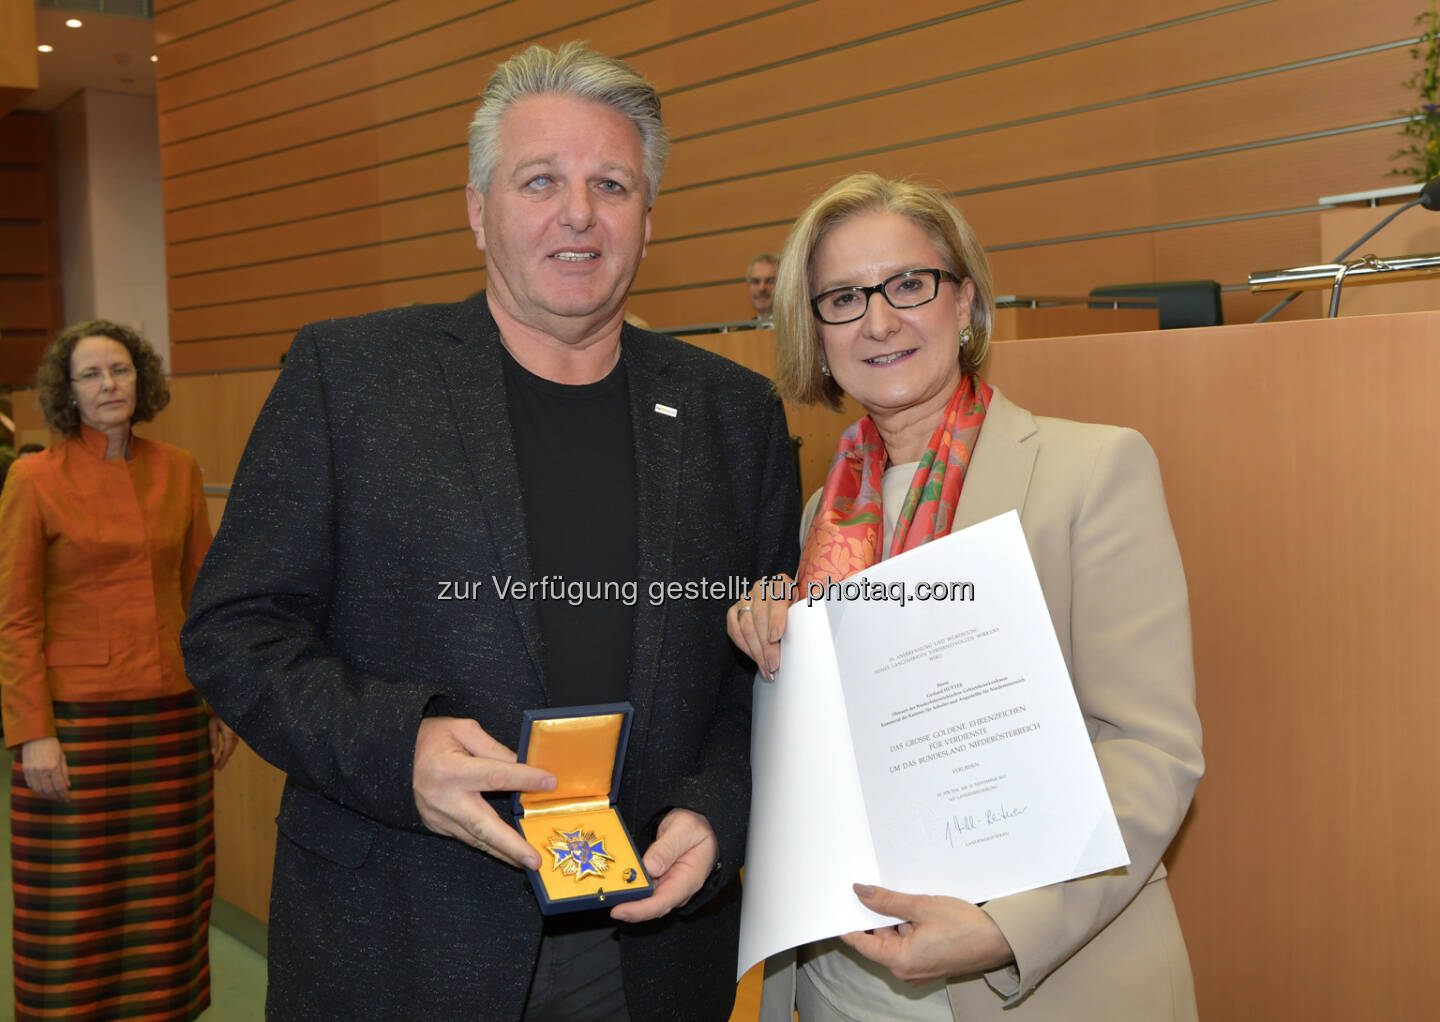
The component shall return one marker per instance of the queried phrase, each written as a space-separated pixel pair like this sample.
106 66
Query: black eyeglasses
903 291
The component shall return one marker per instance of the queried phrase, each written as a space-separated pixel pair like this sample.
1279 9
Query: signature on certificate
957 826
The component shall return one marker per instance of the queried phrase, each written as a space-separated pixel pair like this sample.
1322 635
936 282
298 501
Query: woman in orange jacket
111 802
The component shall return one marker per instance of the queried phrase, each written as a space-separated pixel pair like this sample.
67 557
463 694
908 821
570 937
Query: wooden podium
1298 463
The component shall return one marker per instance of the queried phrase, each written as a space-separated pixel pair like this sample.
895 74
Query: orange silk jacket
97 559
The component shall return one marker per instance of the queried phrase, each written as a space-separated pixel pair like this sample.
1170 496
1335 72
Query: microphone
1429 197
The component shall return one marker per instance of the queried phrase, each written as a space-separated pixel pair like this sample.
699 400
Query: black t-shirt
576 454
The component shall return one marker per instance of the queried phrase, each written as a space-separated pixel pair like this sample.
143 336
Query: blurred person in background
111 804
760 284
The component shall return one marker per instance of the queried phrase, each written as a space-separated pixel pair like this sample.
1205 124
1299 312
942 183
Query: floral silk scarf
848 529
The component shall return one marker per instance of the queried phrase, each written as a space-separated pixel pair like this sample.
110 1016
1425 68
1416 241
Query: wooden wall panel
188 20
317 195
699 303
431 214
201 67
398 45
247 797
435 108
971 103
1085 144
22 192
789 31
452 252
284 215
811 78
330 155
1149 196
211 416
1068 269
24 248
19 63
246 26
1004 89
691 260
446 63
1229 249
1098 74
414 73
296 158
26 303
272 315
423 85
246 350
215 508
29 423
31 310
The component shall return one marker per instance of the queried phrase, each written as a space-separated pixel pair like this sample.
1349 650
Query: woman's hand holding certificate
919 744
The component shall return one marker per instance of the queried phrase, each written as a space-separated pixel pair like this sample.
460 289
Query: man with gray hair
449 514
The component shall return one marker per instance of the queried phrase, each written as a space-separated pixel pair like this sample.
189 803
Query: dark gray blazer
382 466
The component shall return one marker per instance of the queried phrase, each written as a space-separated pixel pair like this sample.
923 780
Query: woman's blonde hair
799 354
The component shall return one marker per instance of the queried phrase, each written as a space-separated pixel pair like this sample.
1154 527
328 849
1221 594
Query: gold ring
745 608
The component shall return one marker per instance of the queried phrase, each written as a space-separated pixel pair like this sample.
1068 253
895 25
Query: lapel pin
666 410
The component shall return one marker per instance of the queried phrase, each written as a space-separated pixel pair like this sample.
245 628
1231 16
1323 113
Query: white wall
112 241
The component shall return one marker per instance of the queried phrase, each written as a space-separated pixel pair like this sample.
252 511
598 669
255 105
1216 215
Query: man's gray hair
572 70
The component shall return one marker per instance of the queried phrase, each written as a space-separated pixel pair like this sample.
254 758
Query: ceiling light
73 23
45 48
153 58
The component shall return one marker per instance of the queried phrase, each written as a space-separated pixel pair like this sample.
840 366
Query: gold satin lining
580 752
579 805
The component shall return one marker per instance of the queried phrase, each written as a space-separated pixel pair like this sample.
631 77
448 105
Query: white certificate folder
921 734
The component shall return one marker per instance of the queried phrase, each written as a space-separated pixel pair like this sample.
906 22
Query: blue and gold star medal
579 853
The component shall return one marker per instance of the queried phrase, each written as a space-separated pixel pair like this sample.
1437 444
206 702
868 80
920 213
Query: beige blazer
1105 948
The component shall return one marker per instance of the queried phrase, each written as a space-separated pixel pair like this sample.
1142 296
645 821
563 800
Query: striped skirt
113 888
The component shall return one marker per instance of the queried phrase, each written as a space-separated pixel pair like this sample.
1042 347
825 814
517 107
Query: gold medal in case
587 858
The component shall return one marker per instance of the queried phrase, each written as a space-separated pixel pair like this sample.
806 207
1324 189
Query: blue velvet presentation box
587 858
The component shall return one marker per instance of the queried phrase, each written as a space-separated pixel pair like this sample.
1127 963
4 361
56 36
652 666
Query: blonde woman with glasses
884 294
